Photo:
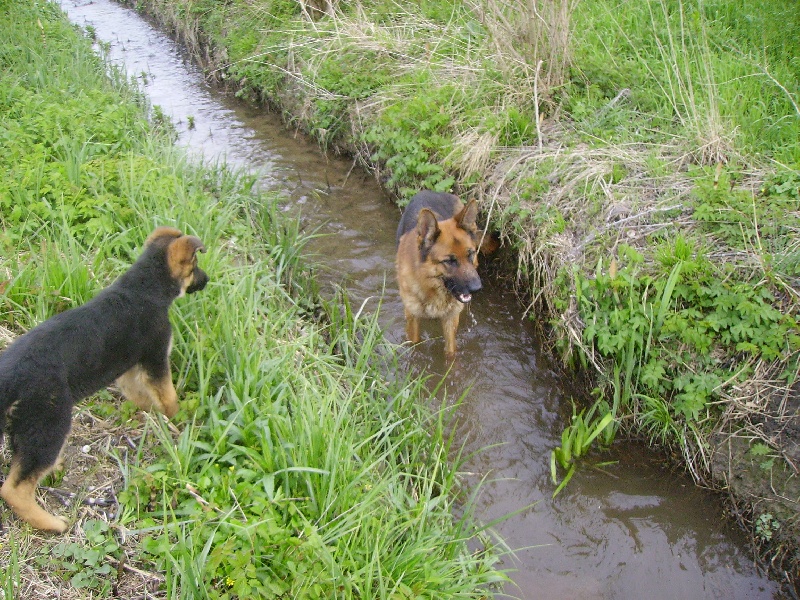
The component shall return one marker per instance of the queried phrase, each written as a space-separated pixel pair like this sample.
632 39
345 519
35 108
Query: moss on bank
641 166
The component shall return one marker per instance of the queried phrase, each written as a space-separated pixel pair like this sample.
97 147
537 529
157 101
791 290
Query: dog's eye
471 255
450 261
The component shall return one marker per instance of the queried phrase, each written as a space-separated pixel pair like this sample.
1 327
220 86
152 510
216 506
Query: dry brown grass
599 212
530 37
764 409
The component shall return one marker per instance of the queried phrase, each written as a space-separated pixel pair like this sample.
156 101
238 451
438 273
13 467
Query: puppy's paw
52 523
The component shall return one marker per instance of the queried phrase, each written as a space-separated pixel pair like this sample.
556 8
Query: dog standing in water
437 260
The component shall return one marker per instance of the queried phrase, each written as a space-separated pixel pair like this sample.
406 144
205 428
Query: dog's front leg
412 327
148 392
449 328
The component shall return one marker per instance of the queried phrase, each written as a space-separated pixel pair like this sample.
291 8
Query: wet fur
437 260
123 334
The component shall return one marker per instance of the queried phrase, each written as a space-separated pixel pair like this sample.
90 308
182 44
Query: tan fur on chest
421 289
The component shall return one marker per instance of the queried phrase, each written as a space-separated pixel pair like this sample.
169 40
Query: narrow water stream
636 531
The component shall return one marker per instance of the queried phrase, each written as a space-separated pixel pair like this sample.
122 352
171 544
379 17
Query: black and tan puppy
121 334
437 259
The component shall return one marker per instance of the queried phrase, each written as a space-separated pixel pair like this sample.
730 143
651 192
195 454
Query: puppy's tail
3 411
5 406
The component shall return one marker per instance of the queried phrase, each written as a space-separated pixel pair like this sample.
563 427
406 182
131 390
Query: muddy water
634 531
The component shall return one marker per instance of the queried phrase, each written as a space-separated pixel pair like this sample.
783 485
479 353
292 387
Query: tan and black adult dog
121 334
437 260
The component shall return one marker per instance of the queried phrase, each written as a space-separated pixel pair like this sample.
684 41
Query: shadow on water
633 531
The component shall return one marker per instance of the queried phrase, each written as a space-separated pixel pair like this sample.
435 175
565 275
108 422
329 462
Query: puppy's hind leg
149 392
37 437
19 492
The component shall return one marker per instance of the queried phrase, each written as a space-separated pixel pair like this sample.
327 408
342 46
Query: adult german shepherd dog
121 334
437 259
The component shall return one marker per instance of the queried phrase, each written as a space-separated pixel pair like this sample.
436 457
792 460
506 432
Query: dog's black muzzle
462 290
199 281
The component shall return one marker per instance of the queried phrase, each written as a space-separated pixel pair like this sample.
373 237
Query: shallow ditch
634 530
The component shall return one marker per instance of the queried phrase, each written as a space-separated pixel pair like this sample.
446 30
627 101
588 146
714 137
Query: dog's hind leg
38 433
19 492
148 392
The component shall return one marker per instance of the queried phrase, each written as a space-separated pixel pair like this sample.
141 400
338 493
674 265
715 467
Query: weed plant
295 467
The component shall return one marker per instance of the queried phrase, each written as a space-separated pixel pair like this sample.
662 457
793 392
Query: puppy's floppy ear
162 232
181 255
427 231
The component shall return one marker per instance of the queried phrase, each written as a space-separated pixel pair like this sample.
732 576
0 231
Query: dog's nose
475 285
199 282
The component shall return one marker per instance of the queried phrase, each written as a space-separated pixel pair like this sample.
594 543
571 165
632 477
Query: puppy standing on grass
437 260
121 334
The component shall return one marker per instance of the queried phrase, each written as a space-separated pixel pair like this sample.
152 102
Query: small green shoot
576 439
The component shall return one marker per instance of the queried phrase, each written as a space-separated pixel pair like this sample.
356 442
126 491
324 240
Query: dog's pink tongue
465 298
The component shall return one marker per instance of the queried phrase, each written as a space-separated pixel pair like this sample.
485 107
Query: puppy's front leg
148 392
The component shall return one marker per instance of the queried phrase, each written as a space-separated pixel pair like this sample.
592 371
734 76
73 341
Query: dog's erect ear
162 232
467 218
427 231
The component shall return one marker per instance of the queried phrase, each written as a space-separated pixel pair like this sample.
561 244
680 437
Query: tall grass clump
726 76
302 463
689 83
532 36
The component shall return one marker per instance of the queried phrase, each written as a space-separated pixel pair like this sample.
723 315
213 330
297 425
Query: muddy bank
763 483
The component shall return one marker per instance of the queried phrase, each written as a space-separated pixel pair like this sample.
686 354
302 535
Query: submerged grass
295 467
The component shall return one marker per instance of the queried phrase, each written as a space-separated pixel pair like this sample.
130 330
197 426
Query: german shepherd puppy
437 259
121 334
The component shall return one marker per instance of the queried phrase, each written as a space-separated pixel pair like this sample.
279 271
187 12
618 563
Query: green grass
708 73
296 467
